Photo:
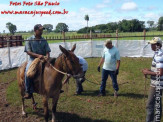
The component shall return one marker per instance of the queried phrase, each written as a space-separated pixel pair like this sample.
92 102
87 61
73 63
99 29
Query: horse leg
46 111
23 100
34 103
23 108
54 106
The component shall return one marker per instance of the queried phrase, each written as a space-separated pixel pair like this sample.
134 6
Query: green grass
52 34
129 107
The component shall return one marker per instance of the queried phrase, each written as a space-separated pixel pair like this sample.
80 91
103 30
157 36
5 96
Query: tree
150 23
62 27
160 24
87 19
48 27
11 27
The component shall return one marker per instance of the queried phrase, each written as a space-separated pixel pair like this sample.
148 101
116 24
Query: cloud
103 4
129 6
152 16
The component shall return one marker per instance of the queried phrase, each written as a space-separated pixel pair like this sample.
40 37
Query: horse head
70 61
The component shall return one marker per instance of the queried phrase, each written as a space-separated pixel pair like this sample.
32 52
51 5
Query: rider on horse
36 47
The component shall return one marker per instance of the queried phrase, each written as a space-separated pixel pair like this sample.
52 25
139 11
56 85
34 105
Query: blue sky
99 11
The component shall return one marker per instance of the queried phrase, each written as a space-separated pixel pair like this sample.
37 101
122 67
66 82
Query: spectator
111 60
156 85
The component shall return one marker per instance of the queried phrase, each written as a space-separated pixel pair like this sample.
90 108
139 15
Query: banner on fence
127 48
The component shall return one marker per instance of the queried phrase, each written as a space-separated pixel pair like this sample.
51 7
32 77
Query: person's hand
145 72
69 75
98 68
40 56
117 71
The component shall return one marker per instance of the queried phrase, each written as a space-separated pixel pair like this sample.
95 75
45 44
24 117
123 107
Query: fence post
91 35
8 46
144 32
63 36
117 37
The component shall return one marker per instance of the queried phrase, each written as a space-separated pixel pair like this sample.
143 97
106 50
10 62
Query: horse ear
64 50
73 48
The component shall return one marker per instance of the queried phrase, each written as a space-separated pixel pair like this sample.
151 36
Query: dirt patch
10 113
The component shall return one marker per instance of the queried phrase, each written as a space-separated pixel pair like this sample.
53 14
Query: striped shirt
157 63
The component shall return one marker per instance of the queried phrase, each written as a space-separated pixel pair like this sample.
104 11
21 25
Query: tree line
133 25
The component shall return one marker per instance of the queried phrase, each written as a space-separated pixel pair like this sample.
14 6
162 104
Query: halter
64 73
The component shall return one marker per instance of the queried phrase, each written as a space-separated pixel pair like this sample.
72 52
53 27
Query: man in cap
36 47
156 85
111 60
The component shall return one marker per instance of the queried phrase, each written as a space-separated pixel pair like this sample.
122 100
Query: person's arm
149 72
101 62
48 54
34 55
118 64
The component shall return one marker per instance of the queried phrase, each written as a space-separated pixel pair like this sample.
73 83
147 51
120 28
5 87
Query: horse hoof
24 115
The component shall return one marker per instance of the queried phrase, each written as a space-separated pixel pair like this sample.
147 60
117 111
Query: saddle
36 65
35 72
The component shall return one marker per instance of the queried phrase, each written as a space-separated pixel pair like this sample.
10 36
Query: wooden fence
16 42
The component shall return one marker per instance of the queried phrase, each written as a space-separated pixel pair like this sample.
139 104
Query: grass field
128 107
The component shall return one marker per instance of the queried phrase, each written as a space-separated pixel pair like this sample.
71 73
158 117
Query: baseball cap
155 40
38 26
108 41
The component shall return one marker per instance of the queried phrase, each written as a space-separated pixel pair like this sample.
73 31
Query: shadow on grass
66 117
93 93
130 95
133 95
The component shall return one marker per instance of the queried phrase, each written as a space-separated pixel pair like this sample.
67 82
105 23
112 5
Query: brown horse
49 82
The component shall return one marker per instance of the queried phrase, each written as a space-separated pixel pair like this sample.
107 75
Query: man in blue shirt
111 63
36 47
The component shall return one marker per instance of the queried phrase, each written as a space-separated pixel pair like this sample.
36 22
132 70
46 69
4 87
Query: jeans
28 81
150 108
79 87
113 76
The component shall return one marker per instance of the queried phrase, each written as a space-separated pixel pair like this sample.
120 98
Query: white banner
127 48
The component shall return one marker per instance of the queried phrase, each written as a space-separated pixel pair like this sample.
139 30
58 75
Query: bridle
63 59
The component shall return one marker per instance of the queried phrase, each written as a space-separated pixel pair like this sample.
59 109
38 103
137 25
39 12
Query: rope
145 88
58 70
91 81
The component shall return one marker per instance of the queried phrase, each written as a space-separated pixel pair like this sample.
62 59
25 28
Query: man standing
111 60
36 47
154 98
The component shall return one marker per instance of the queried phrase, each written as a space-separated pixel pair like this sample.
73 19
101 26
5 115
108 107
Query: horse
49 82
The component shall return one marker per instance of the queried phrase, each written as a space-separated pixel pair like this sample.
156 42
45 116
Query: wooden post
63 36
91 35
8 45
117 34
117 37
144 32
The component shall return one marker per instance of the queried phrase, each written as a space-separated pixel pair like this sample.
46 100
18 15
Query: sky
99 11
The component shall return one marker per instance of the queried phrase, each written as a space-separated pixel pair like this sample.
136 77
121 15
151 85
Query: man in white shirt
154 106
79 81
